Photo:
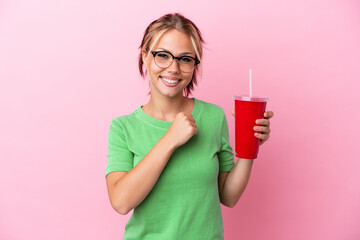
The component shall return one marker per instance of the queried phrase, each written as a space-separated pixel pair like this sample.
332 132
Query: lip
170 84
170 77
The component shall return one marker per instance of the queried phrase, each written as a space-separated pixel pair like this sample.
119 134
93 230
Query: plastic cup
247 110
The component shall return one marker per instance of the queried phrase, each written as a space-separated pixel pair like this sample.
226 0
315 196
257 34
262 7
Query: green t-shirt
184 203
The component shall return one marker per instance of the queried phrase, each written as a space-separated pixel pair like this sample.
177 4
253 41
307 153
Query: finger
263 122
262 129
268 114
263 137
191 119
233 112
188 115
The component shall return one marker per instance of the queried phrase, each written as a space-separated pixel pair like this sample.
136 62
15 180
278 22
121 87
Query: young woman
170 160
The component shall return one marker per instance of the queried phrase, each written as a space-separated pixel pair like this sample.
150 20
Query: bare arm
128 189
232 184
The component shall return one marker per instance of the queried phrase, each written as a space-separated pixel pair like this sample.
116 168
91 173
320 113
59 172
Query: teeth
170 81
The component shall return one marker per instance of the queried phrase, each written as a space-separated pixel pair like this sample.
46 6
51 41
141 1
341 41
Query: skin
128 189
232 184
166 102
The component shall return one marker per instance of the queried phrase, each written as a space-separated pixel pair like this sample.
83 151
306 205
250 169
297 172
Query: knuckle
261 136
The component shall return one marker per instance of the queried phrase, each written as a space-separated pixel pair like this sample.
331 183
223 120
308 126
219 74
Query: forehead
175 41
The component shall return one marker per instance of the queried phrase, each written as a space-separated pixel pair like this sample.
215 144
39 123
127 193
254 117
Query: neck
166 108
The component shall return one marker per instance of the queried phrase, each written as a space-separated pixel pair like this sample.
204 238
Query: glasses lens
187 64
163 59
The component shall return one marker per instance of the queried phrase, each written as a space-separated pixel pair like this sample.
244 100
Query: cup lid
250 99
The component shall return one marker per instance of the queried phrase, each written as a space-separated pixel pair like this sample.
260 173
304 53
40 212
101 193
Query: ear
144 57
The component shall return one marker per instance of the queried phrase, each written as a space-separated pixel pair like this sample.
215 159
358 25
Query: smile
170 82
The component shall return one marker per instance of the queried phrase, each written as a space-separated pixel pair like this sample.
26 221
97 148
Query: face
169 81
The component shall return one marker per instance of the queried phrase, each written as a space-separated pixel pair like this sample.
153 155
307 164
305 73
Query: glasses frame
154 53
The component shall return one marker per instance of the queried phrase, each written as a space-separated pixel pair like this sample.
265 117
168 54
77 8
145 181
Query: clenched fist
182 129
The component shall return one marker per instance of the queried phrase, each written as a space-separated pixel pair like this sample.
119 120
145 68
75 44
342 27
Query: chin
172 95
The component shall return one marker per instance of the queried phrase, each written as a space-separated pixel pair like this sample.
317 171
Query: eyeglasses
164 59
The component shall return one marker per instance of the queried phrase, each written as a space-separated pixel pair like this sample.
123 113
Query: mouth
170 81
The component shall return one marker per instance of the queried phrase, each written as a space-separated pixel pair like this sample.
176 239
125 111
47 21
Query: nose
174 67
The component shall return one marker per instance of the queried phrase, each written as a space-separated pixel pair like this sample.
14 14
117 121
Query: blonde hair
167 22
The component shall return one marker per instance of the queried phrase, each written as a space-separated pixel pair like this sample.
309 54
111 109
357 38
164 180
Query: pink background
68 67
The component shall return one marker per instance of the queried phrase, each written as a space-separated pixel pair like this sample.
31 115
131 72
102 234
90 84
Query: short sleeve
225 155
119 157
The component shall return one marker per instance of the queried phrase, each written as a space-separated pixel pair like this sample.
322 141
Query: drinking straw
250 82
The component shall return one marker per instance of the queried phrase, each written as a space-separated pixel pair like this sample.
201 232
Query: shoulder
124 120
211 108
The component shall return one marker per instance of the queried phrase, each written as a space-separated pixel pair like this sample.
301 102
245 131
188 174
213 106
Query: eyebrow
183 53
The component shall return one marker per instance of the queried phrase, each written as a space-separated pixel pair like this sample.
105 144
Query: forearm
236 182
133 188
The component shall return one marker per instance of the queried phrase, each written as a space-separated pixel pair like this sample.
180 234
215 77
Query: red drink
247 110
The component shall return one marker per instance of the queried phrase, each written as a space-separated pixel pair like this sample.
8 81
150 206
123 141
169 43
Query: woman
170 160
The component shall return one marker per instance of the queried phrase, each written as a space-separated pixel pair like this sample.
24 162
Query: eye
163 55
186 59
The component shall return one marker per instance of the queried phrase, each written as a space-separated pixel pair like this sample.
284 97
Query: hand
263 127
181 129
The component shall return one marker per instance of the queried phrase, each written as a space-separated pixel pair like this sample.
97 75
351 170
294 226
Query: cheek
153 69
189 76
153 72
